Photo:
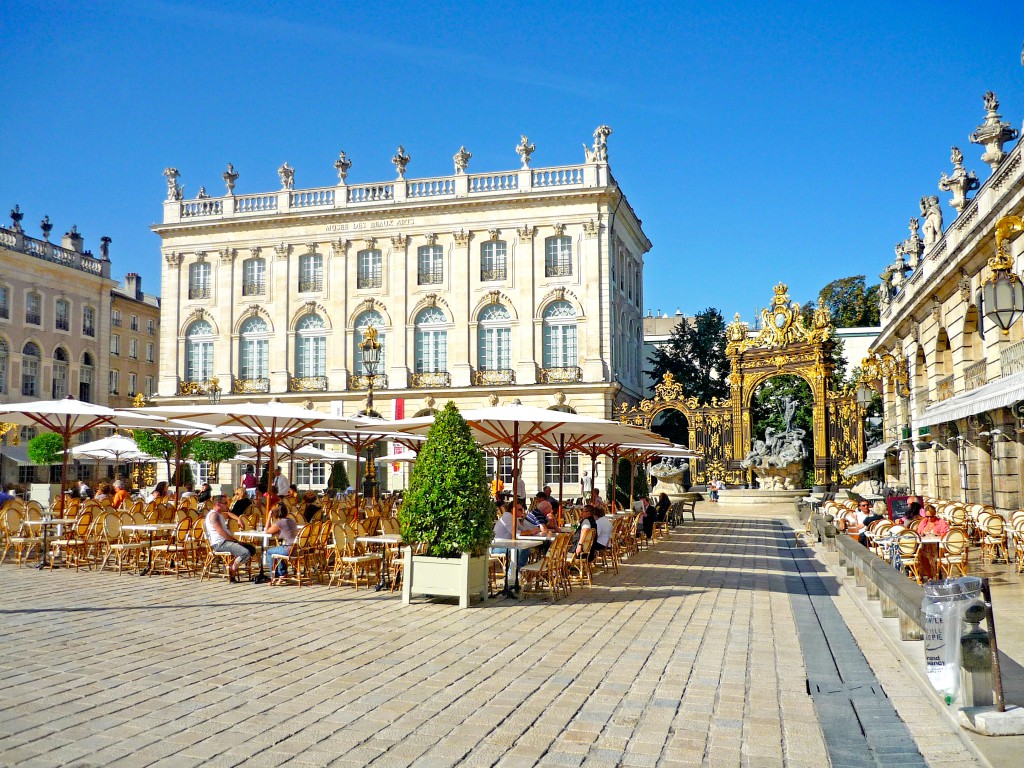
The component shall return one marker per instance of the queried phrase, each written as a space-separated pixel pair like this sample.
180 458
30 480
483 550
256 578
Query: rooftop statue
932 212
287 174
461 159
993 133
230 176
599 152
342 164
401 161
524 149
960 183
174 189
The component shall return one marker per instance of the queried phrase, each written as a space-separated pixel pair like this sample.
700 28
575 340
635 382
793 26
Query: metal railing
5 311
33 318
495 273
247 386
187 388
368 281
1011 358
89 330
62 324
494 377
430 276
944 389
307 384
975 375
559 269
254 288
362 382
561 375
307 284
430 379
201 291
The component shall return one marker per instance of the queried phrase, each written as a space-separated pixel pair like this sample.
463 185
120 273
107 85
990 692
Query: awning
860 469
998 394
16 453
877 452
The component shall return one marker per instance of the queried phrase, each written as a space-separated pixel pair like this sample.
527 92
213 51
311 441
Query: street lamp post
369 351
1003 290
214 391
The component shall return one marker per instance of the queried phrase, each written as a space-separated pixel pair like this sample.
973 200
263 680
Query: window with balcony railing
558 257
34 309
254 288
493 260
307 284
430 265
115 318
62 316
311 272
88 321
199 280
197 291
134 322
369 271
5 302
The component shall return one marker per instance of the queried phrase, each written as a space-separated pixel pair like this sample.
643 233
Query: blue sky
757 141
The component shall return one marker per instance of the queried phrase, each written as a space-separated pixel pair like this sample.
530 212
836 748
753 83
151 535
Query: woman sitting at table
105 492
120 494
240 503
604 532
932 524
159 494
285 529
205 494
586 521
310 507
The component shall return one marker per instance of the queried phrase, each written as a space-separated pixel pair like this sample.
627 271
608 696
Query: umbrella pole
632 477
356 484
561 475
593 477
270 481
516 470
615 479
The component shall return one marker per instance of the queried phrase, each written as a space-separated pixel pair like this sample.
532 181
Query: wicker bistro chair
18 536
349 564
909 545
116 546
300 557
551 571
578 566
993 538
75 545
1017 532
953 552
174 556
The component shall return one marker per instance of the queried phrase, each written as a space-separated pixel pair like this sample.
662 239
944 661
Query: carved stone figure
401 161
993 133
932 212
599 152
670 476
960 183
230 176
105 242
776 459
202 195
524 149
174 189
287 174
461 159
16 217
46 226
898 269
912 247
342 164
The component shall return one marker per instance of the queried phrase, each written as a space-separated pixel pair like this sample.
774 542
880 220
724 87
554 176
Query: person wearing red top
932 524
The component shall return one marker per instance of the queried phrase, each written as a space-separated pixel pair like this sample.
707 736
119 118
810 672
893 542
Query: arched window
34 309
364 321
254 276
254 351
59 388
560 336
430 269
311 347
30 357
5 358
85 376
494 338
199 352
493 260
198 282
431 341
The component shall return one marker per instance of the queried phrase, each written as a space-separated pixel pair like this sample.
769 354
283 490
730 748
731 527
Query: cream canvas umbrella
115 448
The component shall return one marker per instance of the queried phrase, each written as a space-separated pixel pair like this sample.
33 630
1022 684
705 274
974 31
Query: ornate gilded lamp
1003 290
213 391
369 353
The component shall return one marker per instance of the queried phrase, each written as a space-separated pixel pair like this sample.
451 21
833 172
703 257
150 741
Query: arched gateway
789 343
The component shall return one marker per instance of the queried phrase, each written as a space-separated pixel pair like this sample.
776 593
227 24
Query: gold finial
139 401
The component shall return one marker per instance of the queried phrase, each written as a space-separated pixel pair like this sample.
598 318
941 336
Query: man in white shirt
521 489
503 530
586 486
280 483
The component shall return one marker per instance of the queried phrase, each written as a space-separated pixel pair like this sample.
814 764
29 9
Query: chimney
72 240
133 285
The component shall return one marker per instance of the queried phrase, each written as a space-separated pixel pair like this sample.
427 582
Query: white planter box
44 493
459 577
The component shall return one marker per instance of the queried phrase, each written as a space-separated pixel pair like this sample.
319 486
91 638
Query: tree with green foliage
339 477
47 448
640 489
447 505
183 476
850 303
213 451
695 355
159 446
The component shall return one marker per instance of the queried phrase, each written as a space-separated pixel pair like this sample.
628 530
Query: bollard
976 680
830 534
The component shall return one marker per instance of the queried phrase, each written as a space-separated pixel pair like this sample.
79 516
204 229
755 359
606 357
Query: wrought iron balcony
88 330
362 382
115 320
561 269
62 324
494 377
561 375
254 288
1011 358
5 312
944 389
307 384
497 273
975 375
431 379
200 291
430 277
193 387
368 281
307 284
249 386
33 318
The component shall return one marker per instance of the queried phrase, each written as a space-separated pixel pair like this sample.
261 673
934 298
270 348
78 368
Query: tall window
199 280
133 384
151 327
364 321
133 349
311 347
134 322
431 341
254 277
557 256
88 321
149 352
115 344
85 374
149 386
506 468
572 468
34 309
59 388
115 318
5 302
560 336
494 338
430 260
114 382
62 316
368 266
311 272
199 352
254 355
312 475
5 358
493 257
30 357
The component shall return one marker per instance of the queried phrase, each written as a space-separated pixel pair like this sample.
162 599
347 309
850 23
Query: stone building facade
482 287
952 428
134 342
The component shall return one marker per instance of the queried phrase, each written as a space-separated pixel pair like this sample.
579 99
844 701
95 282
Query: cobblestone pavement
690 656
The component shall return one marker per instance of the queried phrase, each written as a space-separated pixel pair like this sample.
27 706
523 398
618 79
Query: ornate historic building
515 284
952 380
58 312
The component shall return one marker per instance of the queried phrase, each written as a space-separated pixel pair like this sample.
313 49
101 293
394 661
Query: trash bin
943 608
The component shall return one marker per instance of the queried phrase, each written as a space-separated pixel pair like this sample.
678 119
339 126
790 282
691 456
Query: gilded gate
789 343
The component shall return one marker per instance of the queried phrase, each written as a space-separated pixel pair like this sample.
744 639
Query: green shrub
339 477
47 448
640 489
448 505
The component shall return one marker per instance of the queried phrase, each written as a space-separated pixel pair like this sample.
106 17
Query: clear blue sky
757 141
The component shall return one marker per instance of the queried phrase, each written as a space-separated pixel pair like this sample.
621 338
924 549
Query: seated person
310 506
240 504
503 530
188 492
120 494
913 510
604 532
870 520
285 529
205 493
650 517
555 503
221 540
863 510
932 524
105 492
586 521
293 492
541 513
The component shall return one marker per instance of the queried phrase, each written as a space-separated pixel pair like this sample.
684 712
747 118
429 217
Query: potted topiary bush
449 510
